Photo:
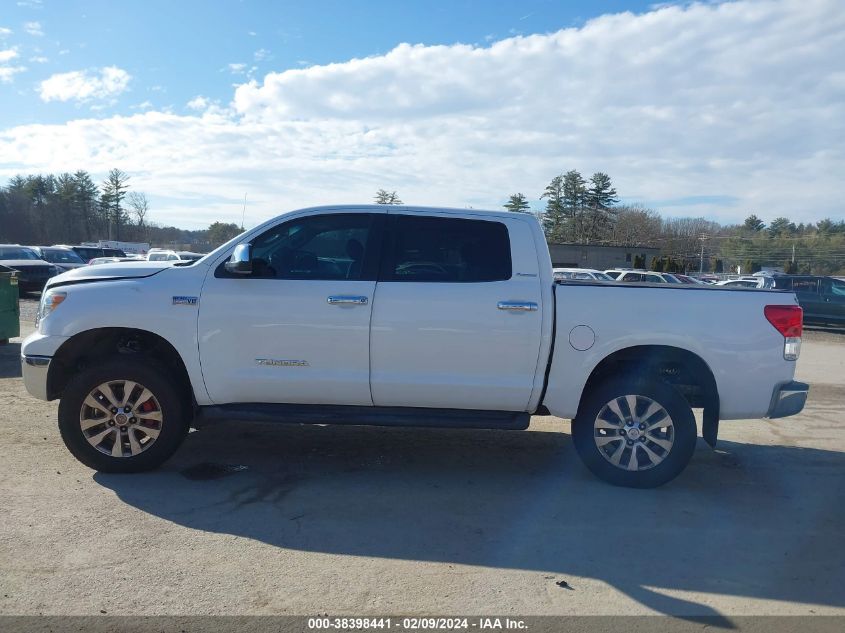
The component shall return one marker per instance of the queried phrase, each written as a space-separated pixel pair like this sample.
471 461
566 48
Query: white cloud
691 105
198 103
8 70
81 86
236 68
261 55
4 32
40 59
33 28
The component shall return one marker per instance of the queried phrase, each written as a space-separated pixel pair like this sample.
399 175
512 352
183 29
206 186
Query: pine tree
574 201
517 203
753 223
600 197
86 202
554 219
114 191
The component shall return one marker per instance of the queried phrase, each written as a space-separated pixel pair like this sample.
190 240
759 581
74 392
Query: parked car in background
157 255
582 274
114 260
62 257
686 279
87 253
638 276
823 298
742 283
33 272
670 278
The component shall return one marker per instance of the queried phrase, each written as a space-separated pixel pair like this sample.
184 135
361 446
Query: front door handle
518 306
348 299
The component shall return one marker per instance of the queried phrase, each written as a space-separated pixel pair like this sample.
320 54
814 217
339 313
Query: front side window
328 247
433 249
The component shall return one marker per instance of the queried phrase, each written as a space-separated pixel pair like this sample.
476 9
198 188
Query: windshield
60 256
603 277
16 252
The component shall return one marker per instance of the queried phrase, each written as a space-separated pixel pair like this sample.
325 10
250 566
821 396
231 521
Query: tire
660 448
155 440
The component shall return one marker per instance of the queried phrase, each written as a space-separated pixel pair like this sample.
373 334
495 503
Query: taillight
789 321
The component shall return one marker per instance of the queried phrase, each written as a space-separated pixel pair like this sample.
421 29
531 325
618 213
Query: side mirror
240 263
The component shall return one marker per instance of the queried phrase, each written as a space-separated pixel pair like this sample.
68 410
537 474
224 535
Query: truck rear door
457 313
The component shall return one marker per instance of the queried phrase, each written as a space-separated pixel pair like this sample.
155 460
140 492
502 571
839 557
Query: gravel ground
251 519
29 306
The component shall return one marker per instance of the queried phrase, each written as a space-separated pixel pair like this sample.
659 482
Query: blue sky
713 109
177 49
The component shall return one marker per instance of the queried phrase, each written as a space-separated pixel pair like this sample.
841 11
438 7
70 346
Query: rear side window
805 285
425 249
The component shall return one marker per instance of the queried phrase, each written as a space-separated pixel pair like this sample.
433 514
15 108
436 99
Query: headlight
50 300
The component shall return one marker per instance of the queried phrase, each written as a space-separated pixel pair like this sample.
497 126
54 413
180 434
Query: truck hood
103 272
31 263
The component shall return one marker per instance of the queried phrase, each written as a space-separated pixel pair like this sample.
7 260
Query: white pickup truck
404 316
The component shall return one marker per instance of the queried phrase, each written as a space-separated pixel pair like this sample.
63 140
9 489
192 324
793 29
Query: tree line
70 208
587 211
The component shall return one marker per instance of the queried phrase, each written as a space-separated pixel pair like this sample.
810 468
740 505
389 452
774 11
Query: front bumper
788 399
35 369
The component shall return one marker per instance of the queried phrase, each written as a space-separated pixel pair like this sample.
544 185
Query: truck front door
297 330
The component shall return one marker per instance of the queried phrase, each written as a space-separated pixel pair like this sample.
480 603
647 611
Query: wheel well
680 368
85 348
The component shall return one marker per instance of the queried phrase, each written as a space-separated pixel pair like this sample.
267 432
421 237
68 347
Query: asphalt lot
252 519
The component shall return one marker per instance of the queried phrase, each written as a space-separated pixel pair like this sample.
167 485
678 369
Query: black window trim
387 267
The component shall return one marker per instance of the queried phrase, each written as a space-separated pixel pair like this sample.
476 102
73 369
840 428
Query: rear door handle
348 299
518 306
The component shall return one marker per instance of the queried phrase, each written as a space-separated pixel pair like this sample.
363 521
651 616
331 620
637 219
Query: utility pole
702 237
243 213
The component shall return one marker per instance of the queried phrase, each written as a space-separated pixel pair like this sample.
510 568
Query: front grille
33 271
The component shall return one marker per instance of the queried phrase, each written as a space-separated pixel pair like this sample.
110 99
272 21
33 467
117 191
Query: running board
370 416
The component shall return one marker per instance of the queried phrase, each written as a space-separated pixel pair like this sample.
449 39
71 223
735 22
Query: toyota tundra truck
404 316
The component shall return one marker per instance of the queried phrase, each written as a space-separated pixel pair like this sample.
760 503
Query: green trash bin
10 313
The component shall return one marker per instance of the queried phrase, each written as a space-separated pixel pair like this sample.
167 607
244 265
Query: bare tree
636 226
387 197
139 205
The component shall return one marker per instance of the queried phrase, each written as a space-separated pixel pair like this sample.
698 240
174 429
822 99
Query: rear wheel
639 434
122 415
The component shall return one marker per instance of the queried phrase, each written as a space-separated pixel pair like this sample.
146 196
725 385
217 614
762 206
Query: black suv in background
823 298
87 253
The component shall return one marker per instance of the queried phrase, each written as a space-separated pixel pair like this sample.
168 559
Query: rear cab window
446 250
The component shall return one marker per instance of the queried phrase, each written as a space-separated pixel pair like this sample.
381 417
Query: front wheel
122 415
639 434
